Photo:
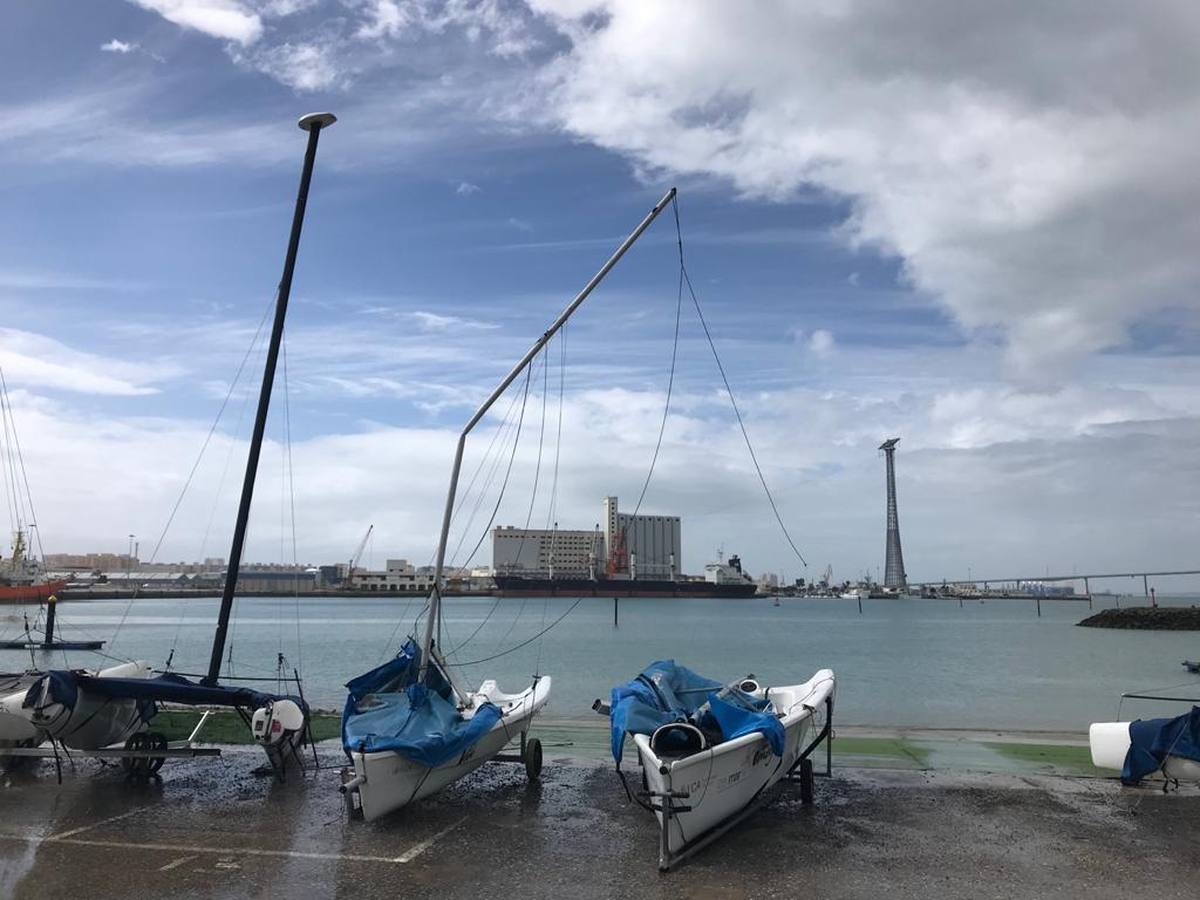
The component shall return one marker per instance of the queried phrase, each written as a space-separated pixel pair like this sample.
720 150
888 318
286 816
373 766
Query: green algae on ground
879 749
1054 758
227 727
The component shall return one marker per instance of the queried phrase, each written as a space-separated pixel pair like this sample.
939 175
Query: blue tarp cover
167 688
1152 740
387 709
666 692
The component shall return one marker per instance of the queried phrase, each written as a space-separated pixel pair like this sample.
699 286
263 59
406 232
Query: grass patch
1051 756
227 727
891 748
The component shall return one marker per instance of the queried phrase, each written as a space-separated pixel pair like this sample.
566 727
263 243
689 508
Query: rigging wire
729 390
195 465
552 507
495 510
21 461
291 479
525 642
670 387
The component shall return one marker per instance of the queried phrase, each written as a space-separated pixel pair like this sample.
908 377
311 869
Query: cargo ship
21 579
721 579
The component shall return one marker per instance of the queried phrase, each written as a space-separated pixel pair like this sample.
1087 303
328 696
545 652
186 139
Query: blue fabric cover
388 709
1151 740
168 688
63 687
666 692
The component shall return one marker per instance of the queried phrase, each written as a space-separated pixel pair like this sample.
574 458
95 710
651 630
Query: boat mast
312 123
435 596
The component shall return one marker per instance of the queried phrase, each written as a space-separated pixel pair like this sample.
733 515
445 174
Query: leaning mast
313 123
428 647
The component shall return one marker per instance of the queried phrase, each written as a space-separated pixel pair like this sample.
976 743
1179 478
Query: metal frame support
668 807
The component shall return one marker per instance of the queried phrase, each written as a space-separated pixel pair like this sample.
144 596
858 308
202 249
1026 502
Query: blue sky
894 228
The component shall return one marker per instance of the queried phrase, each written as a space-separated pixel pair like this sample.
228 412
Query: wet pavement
210 828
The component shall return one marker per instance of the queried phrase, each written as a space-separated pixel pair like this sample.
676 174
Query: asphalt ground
212 828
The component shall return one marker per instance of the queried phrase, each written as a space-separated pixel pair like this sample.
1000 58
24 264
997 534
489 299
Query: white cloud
429 321
116 46
303 66
1024 177
227 19
466 188
820 342
35 360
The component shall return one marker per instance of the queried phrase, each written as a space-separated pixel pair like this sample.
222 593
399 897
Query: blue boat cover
666 692
388 709
167 688
62 686
1152 740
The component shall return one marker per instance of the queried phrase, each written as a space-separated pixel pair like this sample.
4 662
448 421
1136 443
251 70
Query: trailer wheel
156 741
533 759
806 781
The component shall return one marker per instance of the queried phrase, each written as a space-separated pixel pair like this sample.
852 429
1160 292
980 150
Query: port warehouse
646 545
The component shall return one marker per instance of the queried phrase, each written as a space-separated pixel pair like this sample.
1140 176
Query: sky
967 226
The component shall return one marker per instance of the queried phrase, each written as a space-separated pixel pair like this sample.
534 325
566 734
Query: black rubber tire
533 759
806 781
136 767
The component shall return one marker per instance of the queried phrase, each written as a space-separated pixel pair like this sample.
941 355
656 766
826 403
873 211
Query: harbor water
901 663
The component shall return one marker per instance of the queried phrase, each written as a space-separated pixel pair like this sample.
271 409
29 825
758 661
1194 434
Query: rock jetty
1161 618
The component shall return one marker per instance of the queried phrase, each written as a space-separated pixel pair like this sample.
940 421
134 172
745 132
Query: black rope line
729 390
525 642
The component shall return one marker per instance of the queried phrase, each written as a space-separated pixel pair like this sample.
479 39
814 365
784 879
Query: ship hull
25 593
518 586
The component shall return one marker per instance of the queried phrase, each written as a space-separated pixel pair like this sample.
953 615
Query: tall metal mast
313 123
435 596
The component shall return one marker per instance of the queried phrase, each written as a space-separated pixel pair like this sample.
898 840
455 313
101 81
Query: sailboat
1145 748
410 727
93 710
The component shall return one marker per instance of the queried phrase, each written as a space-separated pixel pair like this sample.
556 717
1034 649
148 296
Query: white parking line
174 864
83 828
417 849
196 850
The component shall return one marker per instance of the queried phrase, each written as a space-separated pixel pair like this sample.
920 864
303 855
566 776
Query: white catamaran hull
15 724
386 781
93 722
721 781
1109 742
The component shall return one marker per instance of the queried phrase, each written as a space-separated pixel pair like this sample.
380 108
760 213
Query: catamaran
91 711
410 727
710 752
1146 748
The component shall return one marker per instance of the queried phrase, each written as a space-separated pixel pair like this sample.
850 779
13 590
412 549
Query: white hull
387 781
15 724
94 722
721 781
1109 742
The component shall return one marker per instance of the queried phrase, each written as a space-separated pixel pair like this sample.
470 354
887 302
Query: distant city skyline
893 228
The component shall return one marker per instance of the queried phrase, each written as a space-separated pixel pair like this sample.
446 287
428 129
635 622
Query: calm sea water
920 663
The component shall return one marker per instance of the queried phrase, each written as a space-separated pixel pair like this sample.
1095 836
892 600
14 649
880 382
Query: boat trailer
801 771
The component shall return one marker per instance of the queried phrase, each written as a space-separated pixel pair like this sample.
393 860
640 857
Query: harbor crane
358 553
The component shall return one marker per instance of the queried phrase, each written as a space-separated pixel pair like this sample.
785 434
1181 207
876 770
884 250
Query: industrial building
639 546
536 551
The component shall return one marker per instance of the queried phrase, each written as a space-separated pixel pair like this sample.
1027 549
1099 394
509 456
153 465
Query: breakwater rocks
1162 618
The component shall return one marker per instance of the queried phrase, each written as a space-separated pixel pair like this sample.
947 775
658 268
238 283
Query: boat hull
1109 743
387 781
26 593
15 723
92 722
519 586
716 784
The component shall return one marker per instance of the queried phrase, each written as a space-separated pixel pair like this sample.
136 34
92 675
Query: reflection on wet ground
213 829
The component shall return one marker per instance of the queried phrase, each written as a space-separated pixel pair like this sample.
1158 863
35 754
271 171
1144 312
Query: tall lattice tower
893 571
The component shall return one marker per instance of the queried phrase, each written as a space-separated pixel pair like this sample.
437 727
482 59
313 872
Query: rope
552 508
525 642
291 478
732 402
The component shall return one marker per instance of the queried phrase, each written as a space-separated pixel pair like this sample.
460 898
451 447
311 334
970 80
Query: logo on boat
759 755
